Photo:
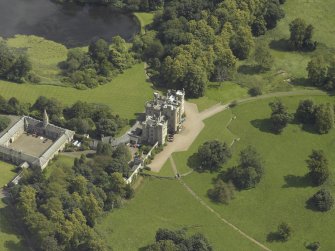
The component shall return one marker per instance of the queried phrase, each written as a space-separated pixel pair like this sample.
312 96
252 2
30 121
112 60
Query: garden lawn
223 92
59 161
144 18
161 203
283 192
7 173
125 95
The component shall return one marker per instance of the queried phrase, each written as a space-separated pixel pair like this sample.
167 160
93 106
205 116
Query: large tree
305 113
324 118
318 167
301 35
280 117
249 171
322 200
212 154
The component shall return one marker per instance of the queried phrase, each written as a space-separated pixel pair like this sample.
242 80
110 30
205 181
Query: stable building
33 142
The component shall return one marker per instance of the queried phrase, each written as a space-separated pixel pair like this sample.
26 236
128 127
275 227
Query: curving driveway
194 123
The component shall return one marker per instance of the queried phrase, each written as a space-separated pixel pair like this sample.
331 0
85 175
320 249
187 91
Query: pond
69 24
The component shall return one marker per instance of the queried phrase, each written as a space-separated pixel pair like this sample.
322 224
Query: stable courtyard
31 144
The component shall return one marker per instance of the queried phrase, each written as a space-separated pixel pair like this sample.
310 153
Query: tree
273 14
263 56
212 154
318 167
242 42
317 71
305 113
279 116
222 192
169 240
284 231
324 118
4 123
258 27
249 171
322 200
301 35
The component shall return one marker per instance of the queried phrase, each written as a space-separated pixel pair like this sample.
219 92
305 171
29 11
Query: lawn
288 65
164 203
58 161
126 94
220 93
7 173
144 18
282 194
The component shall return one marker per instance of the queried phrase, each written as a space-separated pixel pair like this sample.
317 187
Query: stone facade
164 114
26 127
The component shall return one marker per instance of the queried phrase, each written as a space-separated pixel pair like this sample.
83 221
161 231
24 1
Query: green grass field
288 65
164 203
281 195
7 173
144 18
126 94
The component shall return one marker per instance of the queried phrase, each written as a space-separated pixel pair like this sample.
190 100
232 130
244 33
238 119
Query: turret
45 119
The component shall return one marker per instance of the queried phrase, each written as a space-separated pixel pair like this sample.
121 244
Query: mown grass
45 55
59 161
220 93
289 70
164 204
125 95
144 18
7 173
283 192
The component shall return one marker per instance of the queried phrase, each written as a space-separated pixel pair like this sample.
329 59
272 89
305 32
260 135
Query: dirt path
203 203
174 167
223 219
194 123
183 140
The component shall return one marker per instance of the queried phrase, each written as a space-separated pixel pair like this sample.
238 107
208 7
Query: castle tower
45 119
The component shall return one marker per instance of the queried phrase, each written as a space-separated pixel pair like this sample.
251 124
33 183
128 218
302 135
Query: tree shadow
301 82
297 181
273 236
280 45
309 128
311 206
264 125
249 69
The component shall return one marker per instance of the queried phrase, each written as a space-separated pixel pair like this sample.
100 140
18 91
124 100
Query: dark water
70 24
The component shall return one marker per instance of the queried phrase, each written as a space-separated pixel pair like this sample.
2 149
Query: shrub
322 200
4 123
284 231
255 91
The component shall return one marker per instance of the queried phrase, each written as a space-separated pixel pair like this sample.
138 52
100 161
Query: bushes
14 66
97 66
4 123
322 200
249 171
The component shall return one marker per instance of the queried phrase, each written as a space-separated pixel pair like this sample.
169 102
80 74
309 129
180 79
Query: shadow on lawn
280 45
193 162
249 69
297 181
264 125
273 236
